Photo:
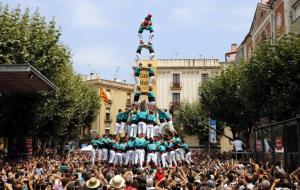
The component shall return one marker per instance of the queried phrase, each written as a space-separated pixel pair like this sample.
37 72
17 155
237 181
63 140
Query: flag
104 96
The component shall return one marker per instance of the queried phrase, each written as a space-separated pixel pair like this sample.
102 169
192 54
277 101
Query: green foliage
265 86
273 78
32 40
190 119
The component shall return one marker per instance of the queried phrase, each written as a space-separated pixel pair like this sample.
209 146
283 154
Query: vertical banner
279 143
144 78
212 131
28 143
258 145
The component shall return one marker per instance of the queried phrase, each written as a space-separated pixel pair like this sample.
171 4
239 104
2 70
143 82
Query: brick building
271 18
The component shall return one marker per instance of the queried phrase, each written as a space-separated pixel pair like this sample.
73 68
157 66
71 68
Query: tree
265 86
221 99
32 40
190 119
273 78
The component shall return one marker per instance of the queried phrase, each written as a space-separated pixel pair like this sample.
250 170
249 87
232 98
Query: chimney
233 47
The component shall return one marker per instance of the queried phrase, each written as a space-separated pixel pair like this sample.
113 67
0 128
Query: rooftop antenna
200 55
117 72
176 54
90 69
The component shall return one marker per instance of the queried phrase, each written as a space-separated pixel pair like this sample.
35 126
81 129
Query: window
176 97
107 114
128 101
204 78
176 78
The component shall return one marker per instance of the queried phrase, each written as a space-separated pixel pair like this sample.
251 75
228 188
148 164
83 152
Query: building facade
272 18
179 79
119 96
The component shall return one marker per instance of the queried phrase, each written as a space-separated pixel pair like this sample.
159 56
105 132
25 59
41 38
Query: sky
102 34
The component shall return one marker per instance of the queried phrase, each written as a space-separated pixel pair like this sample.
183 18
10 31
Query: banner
104 96
279 143
258 145
144 78
212 131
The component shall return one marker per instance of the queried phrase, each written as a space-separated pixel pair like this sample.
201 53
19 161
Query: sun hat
93 183
117 182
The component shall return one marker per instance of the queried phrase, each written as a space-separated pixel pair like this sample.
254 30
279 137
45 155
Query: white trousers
164 157
181 151
171 127
141 128
177 154
118 128
123 127
152 55
139 157
132 130
150 131
99 154
188 158
172 158
137 80
105 154
93 156
130 157
156 131
138 58
158 158
152 157
151 80
118 158
112 155
151 36
162 126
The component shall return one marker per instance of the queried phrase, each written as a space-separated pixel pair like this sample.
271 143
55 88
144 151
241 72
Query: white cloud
87 14
95 57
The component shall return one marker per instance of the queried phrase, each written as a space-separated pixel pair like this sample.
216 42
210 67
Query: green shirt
134 118
94 142
119 116
137 94
137 71
151 118
125 115
162 115
184 146
142 115
140 142
151 70
162 148
151 94
176 140
131 144
152 147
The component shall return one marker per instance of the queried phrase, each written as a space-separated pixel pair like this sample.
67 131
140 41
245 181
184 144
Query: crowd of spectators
74 171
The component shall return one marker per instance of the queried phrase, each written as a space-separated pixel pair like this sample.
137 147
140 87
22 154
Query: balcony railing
108 120
176 85
175 104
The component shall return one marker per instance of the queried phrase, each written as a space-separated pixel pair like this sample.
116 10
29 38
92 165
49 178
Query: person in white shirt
238 145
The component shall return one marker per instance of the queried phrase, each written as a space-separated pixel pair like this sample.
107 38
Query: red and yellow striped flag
104 96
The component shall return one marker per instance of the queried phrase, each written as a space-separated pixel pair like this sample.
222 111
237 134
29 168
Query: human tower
150 137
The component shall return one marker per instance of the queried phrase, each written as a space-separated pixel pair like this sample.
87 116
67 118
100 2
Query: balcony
175 104
107 120
176 85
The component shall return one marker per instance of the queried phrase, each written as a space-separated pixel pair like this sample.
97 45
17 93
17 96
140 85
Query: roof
23 78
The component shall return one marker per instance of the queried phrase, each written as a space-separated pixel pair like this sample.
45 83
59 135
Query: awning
23 78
